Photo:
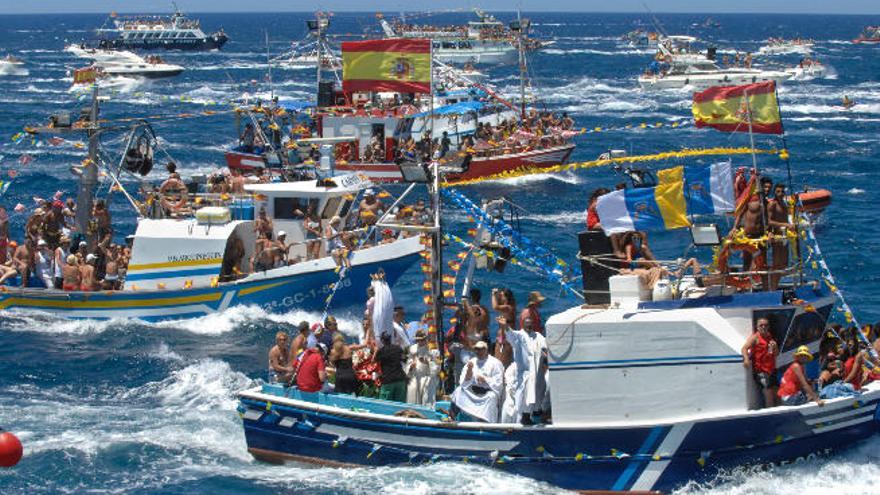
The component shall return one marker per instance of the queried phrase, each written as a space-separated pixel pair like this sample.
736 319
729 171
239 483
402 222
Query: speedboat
150 67
12 66
807 69
781 46
103 55
870 34
704 75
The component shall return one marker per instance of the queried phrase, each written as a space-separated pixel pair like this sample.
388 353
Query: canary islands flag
728 108
399 65
708 189
646 208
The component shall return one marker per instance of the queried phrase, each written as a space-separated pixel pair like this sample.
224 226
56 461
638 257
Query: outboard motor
595 276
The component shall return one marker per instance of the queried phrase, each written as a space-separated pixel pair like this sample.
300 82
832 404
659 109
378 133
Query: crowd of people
55 255
846 365
490 372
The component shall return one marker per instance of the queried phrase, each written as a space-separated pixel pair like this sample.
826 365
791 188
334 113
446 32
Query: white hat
42 242
91 257
369 192
481 345
282 233
82 244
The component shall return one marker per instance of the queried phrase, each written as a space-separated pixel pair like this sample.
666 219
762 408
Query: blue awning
295 106
459 108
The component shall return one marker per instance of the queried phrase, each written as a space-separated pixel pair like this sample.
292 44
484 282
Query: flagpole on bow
765 279
794 205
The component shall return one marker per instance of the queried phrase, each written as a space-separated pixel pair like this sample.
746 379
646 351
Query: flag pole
794 215
765 280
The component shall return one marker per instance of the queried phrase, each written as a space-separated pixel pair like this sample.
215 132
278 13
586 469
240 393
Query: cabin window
332 207
780 320
807 327
293 208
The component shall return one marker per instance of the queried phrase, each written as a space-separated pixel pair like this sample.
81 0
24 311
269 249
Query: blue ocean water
134 408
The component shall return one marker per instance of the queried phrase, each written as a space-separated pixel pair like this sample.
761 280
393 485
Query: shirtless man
263 224
87 271
280 368
777 216
752 222
111 270
4 233
237 182
22 261
53 223
71 278
369 208
280 248
478 316
264 255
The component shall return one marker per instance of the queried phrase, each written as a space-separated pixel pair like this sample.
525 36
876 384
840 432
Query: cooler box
213 215
242 210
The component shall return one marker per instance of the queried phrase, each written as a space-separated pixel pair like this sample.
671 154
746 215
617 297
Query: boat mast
519 27
88 177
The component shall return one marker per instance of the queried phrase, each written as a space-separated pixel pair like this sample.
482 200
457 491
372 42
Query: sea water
127 407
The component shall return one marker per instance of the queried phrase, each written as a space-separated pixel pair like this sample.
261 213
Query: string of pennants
522 248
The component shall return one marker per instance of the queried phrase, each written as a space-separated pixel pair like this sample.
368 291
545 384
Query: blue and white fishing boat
196 261
648 390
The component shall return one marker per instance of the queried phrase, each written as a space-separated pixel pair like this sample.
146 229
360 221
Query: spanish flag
399 65
727 108
86 75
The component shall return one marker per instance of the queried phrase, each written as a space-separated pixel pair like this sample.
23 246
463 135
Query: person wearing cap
759 354
526 384
87 271
335 243
479 392
43 264
795 389
370 208
422 370
71 278
531 310
390 358
312 372
61 254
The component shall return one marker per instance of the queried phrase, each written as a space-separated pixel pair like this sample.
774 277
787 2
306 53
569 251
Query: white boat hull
705 81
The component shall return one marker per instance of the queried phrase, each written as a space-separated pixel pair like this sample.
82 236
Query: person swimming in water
847 102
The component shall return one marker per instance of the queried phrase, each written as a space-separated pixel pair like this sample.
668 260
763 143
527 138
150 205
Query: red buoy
10 449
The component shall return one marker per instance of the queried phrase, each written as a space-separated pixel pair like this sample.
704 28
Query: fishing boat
639 38
703 75
189 253
305 53
174 32
11 65
782 46
649 394
870 35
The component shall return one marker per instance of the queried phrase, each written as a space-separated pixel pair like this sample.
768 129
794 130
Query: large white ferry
175 32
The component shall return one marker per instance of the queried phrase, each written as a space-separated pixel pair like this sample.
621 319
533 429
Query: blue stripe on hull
610 458
307 292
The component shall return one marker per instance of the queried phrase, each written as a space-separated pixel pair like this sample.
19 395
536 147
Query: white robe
526 385
484 407
423 377
382 310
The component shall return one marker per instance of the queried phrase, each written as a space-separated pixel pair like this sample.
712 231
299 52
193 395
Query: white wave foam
561 218
856 190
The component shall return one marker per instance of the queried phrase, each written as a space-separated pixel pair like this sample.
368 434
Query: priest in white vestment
482 381
422 368
526 384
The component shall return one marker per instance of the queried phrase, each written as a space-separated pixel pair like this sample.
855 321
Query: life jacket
762 360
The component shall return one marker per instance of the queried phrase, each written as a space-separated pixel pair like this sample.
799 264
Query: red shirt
311 363
847 367
762 360
592 218
789 384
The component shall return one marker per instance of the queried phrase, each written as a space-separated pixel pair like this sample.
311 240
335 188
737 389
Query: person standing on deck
390 358
280 370
531 311
526 385
759 353
422 369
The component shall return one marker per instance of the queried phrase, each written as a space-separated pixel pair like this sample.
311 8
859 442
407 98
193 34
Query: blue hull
617 458
306 291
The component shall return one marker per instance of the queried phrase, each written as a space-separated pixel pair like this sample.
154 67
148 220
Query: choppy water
134 408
